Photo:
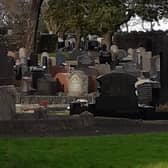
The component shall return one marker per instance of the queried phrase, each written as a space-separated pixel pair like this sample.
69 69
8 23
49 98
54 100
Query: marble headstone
78 84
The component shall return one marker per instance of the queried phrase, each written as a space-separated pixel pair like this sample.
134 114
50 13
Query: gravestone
7 89
22 55
62 82
155 64
60 58
116 95
85 60
44 59
103 68
114 52
131 68
122 54
78 84
145 91
46 86
23 60
146 61
92 74
140 52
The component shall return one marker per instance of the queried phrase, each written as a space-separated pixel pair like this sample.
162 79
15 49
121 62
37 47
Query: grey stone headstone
85 60
146 61
103 68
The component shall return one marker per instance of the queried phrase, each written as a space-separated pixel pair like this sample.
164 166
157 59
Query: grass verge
132 151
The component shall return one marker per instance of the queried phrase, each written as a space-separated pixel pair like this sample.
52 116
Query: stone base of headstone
7 102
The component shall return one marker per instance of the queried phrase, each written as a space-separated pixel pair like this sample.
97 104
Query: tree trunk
32 31
108 39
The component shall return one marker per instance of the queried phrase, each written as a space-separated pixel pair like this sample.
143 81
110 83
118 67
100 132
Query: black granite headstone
117 94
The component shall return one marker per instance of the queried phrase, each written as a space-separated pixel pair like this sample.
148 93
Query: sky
135 24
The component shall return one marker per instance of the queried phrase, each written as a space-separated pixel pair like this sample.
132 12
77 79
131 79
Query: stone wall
48 127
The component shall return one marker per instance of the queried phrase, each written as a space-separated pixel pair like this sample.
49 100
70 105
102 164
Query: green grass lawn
133 151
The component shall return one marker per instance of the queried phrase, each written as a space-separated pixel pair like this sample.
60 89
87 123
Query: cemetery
123 83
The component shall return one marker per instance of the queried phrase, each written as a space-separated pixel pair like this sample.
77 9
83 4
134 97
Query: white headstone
114 49
78 84
22 55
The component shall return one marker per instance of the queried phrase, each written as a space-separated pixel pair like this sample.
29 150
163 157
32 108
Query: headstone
78 84
117 94
26 84
155 64
85 60
60 58
7 90
140 52
103 68
105 57
122 54
131 68
57 69
145 91
6 71
62 82
7 102
92 74
146 61
46 86
44 59
114 49
37 73
22 55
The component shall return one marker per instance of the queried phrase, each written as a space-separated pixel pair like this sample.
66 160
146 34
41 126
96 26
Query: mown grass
132 151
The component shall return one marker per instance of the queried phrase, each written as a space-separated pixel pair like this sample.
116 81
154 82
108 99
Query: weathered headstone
78 84
85 60
146 61
122 54
103 68
22 55
155 64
